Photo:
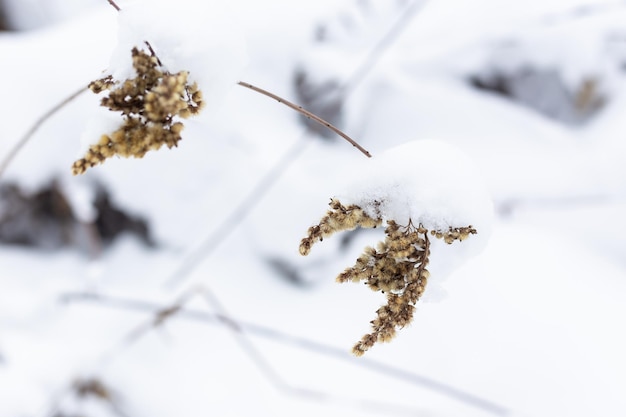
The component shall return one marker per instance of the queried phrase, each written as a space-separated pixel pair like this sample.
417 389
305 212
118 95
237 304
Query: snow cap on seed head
202 38
428 182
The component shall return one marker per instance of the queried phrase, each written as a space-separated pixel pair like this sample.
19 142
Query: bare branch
112 3
221 318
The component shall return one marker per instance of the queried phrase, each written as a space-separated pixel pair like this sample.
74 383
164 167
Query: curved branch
307 113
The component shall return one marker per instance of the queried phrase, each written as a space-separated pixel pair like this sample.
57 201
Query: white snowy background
532 326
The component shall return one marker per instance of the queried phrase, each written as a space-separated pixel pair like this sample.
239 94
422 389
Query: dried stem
307 114
112 3
298 342
20 144
118 8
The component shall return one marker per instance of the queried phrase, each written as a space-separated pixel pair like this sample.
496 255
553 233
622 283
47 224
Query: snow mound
424 182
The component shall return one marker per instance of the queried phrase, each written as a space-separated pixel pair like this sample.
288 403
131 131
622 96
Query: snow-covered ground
532 326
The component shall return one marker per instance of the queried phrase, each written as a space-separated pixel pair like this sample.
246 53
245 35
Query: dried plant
337 219
151 105
92 387
397 267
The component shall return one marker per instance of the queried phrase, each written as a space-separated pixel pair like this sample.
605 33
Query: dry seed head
149 103
100 85
338 218
456 233
397 267
92 387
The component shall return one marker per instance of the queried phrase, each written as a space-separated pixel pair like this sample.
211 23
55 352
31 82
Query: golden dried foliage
338 218
397 267
149 105
92 387
456 233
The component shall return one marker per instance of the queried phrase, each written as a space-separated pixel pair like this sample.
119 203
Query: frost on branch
417 202
149 104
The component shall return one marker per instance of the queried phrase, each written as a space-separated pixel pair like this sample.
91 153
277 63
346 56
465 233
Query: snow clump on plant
171 61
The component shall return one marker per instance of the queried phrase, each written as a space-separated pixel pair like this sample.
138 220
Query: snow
530 324
425 182
430 183
178 37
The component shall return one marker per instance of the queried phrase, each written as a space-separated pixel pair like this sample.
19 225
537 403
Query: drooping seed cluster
338 218
456 233
397 267
151 105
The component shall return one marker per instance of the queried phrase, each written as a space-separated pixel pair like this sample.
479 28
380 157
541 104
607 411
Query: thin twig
38 123
277 380
119 9
307 114
154 55
112 3
244 343
160 317
220 318
255 355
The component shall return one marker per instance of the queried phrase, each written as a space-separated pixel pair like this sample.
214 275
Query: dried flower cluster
151 105
337 219
397 267
454 233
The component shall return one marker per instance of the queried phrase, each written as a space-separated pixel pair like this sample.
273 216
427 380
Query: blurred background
172 285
